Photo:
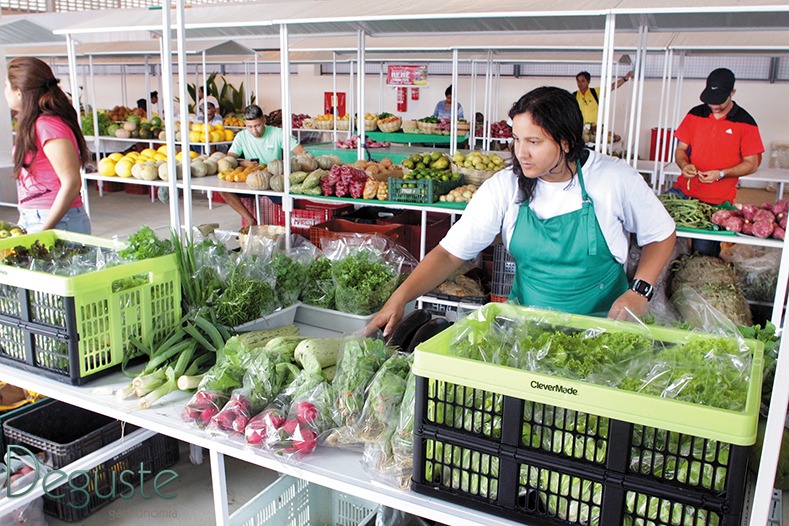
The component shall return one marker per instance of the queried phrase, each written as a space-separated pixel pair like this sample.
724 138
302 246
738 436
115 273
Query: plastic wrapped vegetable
366 270
319 286
307 419
291 267
360 359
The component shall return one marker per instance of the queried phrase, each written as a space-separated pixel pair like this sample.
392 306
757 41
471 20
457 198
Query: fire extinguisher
414 93
402 100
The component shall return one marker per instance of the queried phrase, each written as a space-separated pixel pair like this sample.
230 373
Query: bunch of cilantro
291 276
363 282
319 287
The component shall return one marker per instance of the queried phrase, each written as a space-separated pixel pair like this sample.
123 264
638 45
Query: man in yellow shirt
588 98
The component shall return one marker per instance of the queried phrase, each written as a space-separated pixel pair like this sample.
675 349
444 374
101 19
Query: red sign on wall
406 76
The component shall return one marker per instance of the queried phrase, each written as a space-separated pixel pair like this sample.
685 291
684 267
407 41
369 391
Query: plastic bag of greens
403 438
319 285
291 266
360 358
381 410
248 293
756 268
386 516
366 269
17 475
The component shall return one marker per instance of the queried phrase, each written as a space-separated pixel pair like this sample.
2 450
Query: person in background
588 98
718 142
255 144
143 105
213 110
49 149
154 98
564 212
444 107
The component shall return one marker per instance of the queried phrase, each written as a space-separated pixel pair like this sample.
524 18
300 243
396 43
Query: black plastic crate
63 432
657 463
102 482
450 312
16 412
503 272
533 488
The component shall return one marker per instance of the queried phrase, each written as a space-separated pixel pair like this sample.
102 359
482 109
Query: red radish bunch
298 434
500 130
234 417
264 425
202 407
767 220
344 180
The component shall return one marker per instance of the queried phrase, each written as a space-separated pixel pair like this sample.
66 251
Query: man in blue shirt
444 107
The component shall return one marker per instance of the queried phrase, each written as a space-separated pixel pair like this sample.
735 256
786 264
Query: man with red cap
719 142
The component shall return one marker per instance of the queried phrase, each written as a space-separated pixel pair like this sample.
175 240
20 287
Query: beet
747 228
763 229
782 222
780 207
748 211
733 224
720 216
779 233
763 215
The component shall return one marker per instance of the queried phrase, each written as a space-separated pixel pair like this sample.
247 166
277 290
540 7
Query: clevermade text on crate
554 387
83 485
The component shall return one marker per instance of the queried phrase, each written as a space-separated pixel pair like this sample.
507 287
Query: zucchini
314 354
405 328
427 331
254 339
297 177
313 179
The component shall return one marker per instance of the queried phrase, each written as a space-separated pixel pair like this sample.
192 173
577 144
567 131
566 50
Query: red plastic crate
110 186
137 189
498 299
336 227
437 227
305 214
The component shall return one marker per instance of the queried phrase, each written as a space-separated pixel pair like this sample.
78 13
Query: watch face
642 287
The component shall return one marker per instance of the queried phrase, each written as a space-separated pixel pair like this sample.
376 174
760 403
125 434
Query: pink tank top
38 185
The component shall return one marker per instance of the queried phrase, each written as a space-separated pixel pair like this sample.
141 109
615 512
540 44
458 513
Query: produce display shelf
123 180
427 207
338 469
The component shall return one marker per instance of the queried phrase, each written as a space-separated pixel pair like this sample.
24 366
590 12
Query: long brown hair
41 95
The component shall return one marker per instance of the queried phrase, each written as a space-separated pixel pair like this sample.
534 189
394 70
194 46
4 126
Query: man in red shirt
719 142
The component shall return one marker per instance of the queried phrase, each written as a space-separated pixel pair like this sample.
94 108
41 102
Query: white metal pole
453 125
360 82
605 84
185 157
656 165
351 102
169 112
72 66
488 102
381 87
148 106
642 45
287 127
677 102
472 142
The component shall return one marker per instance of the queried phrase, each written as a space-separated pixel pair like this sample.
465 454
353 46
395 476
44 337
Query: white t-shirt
623 203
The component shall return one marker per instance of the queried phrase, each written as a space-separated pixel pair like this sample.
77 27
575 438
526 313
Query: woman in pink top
48 151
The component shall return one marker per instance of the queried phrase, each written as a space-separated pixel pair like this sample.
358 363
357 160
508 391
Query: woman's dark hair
252 112
584 74
556 112
448 91
41 95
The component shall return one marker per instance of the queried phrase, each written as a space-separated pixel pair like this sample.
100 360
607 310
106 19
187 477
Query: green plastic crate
72 328
422 191
433 361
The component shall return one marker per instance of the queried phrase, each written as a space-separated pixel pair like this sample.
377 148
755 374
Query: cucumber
427 331
254 339
405 329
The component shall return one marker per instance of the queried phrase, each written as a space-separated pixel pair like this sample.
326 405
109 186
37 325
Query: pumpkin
327 161
277 182
224 165
307 162
211 165
258 180
198 168
275 168
122 134
232 160
295 164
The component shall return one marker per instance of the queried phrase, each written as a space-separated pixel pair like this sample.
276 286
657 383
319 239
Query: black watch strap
643 287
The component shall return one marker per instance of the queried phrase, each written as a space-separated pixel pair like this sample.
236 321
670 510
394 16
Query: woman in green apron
564 212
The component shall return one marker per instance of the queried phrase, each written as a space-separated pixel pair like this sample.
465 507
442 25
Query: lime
408 163
435 156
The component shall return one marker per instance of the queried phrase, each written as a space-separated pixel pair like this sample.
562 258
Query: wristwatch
721 174
642 287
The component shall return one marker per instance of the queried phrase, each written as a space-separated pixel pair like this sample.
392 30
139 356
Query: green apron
563 263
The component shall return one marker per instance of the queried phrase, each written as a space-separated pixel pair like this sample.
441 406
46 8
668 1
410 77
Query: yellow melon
107 167
116 156
123 168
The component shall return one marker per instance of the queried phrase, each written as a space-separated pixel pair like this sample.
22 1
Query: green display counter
412 138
